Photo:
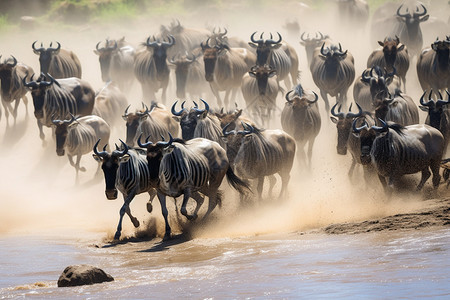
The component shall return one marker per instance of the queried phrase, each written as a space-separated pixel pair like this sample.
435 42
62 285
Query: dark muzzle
111 194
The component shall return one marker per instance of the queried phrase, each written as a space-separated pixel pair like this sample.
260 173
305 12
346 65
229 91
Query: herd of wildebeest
174 150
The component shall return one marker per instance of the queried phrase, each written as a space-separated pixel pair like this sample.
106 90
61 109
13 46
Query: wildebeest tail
238 184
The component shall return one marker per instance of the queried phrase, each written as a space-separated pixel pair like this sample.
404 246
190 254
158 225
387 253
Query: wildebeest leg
259 187
404 83
5 107
165 213
425 175
186 196
285 177
199 199
216 94
310 151
152 194
352 167
234 92
435 167
164 85
325 99
125 209
25 102
272 182
82 169
227 98
41 132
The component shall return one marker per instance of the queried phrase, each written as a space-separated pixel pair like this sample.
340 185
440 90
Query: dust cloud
38 190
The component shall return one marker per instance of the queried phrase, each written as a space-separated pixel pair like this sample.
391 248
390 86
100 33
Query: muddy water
380 265
48 221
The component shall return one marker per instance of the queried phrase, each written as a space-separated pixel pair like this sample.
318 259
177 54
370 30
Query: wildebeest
300 118
224 68
232 42
311 44
190 75
280 56
433 66
187 39
234 119
126 170
254 154
151 69
59 63
198 123
395 151
402 23
438 114
154 123
399 108
77 136
333 72
373 84
116 62
392 55
12 88
353 13
109 103
57 99
188 168
260 89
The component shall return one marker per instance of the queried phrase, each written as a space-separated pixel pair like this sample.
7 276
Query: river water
411 264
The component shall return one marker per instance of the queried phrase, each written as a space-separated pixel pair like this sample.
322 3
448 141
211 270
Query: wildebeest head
160 53
38 90
434 109
413 21
189 119
382 106
104 56
45 55
390 48
229 118
133 120
312 43
155 153
210 56
182 65
366 136
264 47
219 36
333 54
110 164
62 128
262 75
344 123
378 82
6 75
233 139
301 102
442 49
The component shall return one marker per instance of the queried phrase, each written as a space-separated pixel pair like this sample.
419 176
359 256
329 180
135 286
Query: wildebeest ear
96 52
252 74
400 47
176 118
276 46
97 158
302 43
334 120
272 73
381 43
73 125
424 18
253 45
424 108
124 158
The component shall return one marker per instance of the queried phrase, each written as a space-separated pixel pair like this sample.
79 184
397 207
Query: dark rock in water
82 275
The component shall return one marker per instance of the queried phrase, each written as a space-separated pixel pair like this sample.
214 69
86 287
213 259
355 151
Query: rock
82 275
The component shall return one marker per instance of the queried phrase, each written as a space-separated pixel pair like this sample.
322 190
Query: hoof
135 223
117 236
167 237
149 207
192 218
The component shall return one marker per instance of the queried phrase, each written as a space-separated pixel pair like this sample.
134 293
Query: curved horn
301 37
382 128
225 132
339 114
321 49
174 112
429 102
272 42
101 154
123 152
365 78
252 38
399 14
417 14
287 96
34 47
125 115
55 49
358 129
99 49
358 114
31 84
206 105
166 144
171 41
14 62
147 143
316 97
